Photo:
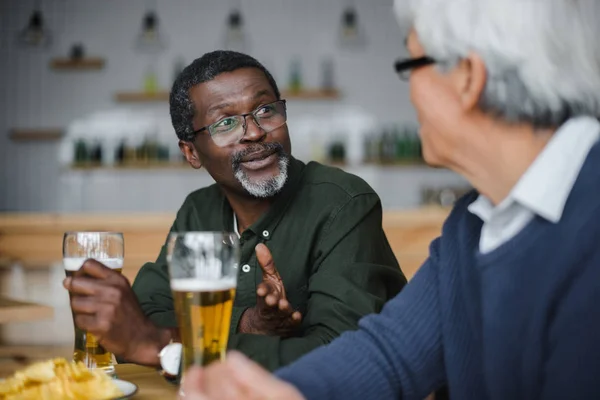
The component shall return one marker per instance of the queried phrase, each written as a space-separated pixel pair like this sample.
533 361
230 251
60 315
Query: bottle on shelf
400 144
142 152
368 156
388 147
120 152
162 153
151 147
150 80
392 144
96 152
337 152
328 80
295 83
81 152
374 151
381 147
414 144
130 153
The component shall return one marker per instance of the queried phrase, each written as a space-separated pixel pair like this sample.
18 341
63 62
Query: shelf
409 162
15 356
132 166
141 97
77 65
307 94
155 165
26 135
311 94
8 263
20 311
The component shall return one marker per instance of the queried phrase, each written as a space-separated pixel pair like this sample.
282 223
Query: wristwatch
170 359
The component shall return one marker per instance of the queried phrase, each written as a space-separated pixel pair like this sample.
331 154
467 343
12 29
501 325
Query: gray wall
33 95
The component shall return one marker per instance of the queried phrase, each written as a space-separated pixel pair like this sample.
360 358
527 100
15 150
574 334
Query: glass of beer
203 269
108 249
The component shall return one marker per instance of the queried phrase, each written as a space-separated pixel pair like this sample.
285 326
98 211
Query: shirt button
266 234
246 268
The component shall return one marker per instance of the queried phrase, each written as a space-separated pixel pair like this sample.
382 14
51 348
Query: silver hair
542 56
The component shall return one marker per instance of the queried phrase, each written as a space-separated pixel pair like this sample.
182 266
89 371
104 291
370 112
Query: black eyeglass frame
283 101
403 67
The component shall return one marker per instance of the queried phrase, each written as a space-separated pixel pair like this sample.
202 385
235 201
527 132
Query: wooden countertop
44 222
34 240
20 311
151 386
50 222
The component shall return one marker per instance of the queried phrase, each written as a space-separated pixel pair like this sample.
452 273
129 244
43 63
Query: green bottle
295 76
150 81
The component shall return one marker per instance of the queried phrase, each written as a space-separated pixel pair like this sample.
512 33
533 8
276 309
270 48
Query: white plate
128 388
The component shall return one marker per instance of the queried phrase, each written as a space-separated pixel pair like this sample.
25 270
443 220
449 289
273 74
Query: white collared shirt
235 226
543 189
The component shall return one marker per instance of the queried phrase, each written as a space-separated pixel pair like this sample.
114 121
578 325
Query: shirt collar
266 224
236 230
547 183
545 187
483 208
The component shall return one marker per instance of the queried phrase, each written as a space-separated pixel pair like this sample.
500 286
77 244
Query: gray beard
264 188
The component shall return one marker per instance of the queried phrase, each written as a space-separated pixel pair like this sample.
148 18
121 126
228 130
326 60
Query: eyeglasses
404 67
232 129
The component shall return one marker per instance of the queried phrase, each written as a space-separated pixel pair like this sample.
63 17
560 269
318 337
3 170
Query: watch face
170 358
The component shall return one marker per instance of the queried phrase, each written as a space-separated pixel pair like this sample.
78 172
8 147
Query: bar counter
34 307
31 243
34 240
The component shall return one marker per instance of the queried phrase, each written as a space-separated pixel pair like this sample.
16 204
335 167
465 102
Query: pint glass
203 271
108 249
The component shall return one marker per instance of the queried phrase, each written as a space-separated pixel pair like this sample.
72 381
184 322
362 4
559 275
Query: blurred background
85 122
86 141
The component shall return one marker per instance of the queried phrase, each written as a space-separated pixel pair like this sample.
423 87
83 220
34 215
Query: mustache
236 158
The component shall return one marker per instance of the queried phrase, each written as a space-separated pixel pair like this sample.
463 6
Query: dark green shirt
324 232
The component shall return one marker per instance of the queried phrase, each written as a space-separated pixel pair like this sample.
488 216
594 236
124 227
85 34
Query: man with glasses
314 257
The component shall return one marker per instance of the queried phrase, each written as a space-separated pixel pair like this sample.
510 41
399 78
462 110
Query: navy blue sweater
521 322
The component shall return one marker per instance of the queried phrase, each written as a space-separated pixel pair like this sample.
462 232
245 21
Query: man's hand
237 378
273 314
104 305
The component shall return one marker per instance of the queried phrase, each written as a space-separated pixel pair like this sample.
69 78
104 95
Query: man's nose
254 133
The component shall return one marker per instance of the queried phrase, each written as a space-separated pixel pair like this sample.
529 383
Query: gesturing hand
273 314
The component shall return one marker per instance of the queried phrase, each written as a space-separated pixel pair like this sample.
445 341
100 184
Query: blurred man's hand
237 378
104 305
273 314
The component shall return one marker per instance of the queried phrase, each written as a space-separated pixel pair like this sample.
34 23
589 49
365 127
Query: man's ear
472 77
190 153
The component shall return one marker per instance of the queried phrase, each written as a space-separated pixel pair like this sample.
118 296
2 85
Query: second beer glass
203 270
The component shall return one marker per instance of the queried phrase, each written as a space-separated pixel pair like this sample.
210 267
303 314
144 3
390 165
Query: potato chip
58 379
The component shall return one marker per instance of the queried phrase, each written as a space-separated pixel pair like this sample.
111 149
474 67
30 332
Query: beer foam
74 263
196 285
